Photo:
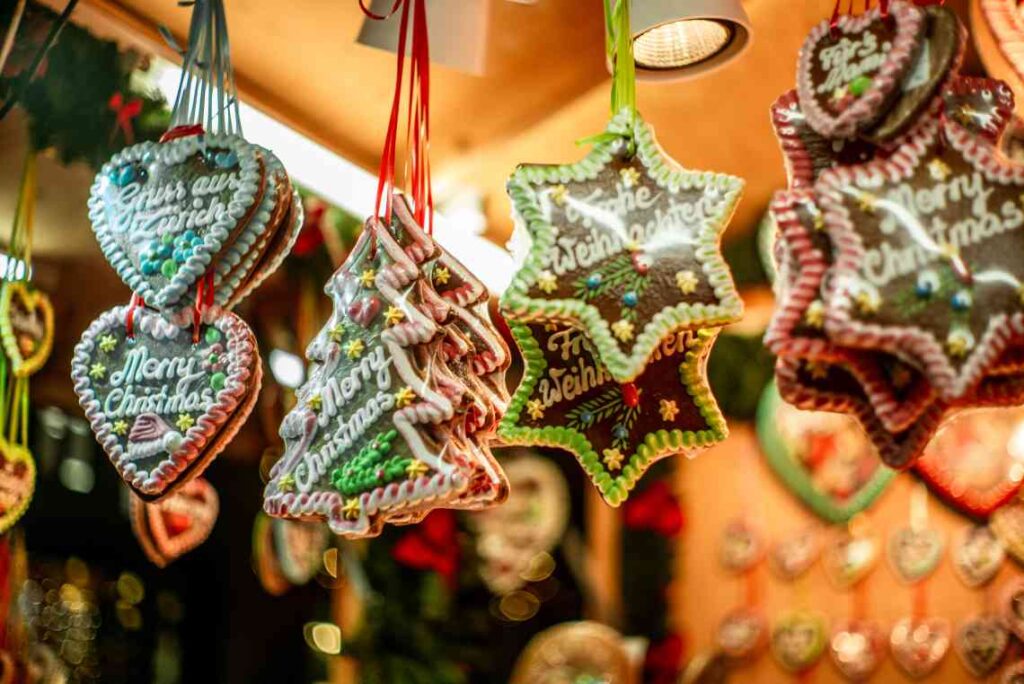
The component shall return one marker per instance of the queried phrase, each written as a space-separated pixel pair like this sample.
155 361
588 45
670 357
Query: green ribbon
618 45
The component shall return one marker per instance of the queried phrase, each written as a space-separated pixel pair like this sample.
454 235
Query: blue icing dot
154 245
123 175
593 281
620 432
630 299
189 235
587 417
166 251
225 159
149 268
961 300
196 241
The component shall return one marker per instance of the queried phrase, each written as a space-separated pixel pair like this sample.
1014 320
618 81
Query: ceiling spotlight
676 39
457 30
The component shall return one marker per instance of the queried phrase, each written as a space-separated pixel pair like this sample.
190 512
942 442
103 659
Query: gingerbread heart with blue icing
164 400
164 213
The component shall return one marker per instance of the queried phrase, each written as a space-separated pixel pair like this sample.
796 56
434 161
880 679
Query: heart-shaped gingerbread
299 547
857 648
162 406
798 640
176 524
17 483
914 553
977 556
847 559
742 633
26 327
164 212
742 546
849 72
980 643
1008 525
1011 605
793 556
971 463
919 645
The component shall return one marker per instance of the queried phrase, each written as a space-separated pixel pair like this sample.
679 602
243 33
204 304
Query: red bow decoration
311 236
124 111
431 545
655 509
664 660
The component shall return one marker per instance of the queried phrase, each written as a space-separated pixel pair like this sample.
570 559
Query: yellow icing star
315 402
632 246
416 468
120 427
337 333
959 342
442 275
686 281
286 483
559 194
354 349
393 315
553 327
815 314
184 422
368 278
535 409
623 330
817 369
838 94
938 169
867 202
867 302
546 282
404 397
108 343
630 177
668 409
352 509
613 459
97 371
949 250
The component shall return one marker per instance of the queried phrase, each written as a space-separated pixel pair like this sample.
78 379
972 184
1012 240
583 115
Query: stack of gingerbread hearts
192 224
621 292
899 298
404 393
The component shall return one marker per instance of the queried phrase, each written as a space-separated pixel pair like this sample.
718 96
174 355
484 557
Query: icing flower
535 409
938 169
337 333
623 330
184 422
442 275
959 342
927 284
354 349
559 194
404 397
393 315
613 459
815 314
368 277
686 281
668 409
108 343
120 428
630 176
97 371
546 282
351 510
416 468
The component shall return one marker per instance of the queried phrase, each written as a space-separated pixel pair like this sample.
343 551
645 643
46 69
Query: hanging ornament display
530 523
981 643
857 648
407 380
919 645
173 526
620 294
893 309
574 652
191 224
823 458
977 556
798 640
976 462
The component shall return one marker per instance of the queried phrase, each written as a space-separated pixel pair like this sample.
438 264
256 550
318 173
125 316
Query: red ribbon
204 299
432 545
656 509
129 317
664 660
124 112
181 132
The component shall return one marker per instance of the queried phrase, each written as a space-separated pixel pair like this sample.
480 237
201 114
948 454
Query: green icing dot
168 268
212 335
167 238
859 85
217 381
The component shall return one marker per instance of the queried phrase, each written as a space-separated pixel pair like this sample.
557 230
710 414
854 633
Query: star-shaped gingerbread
616 242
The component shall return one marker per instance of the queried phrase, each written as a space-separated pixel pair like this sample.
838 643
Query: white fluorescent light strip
350 187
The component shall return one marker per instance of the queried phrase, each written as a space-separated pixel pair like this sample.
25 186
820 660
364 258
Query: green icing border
667 174
654 446
796 479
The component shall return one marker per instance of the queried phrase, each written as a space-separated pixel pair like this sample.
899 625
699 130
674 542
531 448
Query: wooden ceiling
545 87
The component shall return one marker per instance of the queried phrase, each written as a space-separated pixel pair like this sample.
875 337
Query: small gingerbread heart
26 327
1011 605
17 483
1008 525
857 648
981 643
914 553
742 633
299 546
742 546
793 556
847 559
977 556
176 524
798 640
919 645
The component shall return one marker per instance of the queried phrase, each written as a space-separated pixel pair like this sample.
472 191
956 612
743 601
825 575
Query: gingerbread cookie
26 327
173 526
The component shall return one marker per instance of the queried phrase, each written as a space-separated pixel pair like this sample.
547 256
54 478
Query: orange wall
713 487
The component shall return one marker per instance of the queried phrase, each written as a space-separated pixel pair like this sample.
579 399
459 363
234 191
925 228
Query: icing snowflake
368 277
668 409
547 282
959 342
97 371
686 281
108 343
623 330
535 409
184 422
416 468
354 349
815 314
404 397
393 315
442 275
613 458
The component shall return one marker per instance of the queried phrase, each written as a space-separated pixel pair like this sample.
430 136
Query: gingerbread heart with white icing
177 523
1011 605
857 648
161 405
849 72
299 547
798 640
1008 524
914 553
17 483
847 559
164 212
741 633
981 642
977 556
26 327
919 645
